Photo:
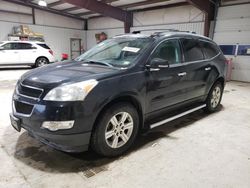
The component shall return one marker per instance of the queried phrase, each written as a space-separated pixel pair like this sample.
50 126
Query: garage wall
233 28
57 30
182 18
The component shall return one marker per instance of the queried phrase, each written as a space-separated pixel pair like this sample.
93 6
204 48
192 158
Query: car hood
71 71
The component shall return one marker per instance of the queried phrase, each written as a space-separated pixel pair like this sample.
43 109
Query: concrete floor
198 150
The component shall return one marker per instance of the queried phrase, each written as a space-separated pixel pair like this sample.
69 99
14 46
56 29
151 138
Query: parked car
16 53
124 85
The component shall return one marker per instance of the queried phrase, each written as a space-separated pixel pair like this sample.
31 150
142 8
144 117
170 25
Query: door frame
80 50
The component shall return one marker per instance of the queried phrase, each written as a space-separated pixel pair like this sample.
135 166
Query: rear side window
210 50
192 50
43 45
25 46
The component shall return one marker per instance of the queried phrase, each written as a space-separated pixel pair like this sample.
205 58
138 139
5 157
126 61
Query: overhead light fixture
42 3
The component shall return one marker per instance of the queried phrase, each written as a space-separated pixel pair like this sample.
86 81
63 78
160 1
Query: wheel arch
122 99
41 57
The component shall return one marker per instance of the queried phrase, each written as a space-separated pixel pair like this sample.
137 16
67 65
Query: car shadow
44 158
15 68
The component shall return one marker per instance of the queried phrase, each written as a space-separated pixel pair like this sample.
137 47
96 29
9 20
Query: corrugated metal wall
233 28
182 18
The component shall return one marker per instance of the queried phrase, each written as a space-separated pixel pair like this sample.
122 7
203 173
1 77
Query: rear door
165 84
9 54
212 53
28 53
197 68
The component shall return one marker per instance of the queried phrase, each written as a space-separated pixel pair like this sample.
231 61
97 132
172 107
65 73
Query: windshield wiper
98 62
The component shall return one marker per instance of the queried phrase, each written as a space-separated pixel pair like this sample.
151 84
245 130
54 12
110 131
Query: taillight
51 52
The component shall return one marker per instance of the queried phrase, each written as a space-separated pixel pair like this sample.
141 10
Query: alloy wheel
119 130
216 95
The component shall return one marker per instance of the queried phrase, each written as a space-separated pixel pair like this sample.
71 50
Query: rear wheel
116 130
214 97
41 61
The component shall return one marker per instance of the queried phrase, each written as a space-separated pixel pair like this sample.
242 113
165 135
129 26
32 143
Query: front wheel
214 98
116 130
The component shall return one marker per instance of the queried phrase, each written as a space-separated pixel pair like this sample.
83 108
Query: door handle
15 52
182 74
207 68
163 66
154 69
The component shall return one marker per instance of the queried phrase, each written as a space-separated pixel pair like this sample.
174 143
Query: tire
214 98
116 130
41 61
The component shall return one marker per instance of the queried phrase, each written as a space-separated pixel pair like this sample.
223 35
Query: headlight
71 92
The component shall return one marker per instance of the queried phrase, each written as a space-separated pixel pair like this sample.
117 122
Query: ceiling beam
102 8
203 5
70 9
105 10
15 12
162 7
142 3
208 8
33 5
55 3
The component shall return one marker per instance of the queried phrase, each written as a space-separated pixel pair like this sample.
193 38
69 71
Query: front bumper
75 139
67 143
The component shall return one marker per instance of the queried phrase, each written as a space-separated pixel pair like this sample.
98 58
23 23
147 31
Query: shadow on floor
41 157
15 68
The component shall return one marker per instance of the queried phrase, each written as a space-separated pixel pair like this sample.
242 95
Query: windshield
117 52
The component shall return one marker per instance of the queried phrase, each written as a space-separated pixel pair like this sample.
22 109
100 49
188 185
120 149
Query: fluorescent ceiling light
42 3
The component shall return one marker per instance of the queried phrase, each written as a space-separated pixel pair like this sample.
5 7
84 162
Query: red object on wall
65 56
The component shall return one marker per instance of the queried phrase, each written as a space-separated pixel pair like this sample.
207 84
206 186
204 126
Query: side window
7 46
11 46
168 50
192 50
25 46
209 49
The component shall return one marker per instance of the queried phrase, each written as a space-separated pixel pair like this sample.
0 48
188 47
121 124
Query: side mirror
1 48
159 63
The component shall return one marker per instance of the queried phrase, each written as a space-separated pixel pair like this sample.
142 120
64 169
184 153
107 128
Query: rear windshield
43 45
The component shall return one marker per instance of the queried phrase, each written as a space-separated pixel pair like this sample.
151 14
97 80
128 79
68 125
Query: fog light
57 125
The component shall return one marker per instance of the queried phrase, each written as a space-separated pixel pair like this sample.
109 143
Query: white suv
35 54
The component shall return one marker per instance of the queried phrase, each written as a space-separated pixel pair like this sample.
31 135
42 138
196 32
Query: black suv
123 85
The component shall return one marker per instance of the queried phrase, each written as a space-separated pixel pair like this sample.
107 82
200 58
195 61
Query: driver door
165 83
9 54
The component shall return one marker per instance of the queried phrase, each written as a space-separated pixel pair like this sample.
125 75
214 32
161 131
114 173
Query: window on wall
210 50
228 49
168 50
192 50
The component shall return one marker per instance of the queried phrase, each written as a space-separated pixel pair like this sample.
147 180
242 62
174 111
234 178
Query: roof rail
162 31
139 31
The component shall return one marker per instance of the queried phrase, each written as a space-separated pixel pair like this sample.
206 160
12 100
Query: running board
176 116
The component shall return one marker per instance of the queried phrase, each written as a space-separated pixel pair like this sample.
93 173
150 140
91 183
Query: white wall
57 29
233 27
182 18
50 19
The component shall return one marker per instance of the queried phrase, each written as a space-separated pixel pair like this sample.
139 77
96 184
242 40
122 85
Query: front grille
29 91
23 108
